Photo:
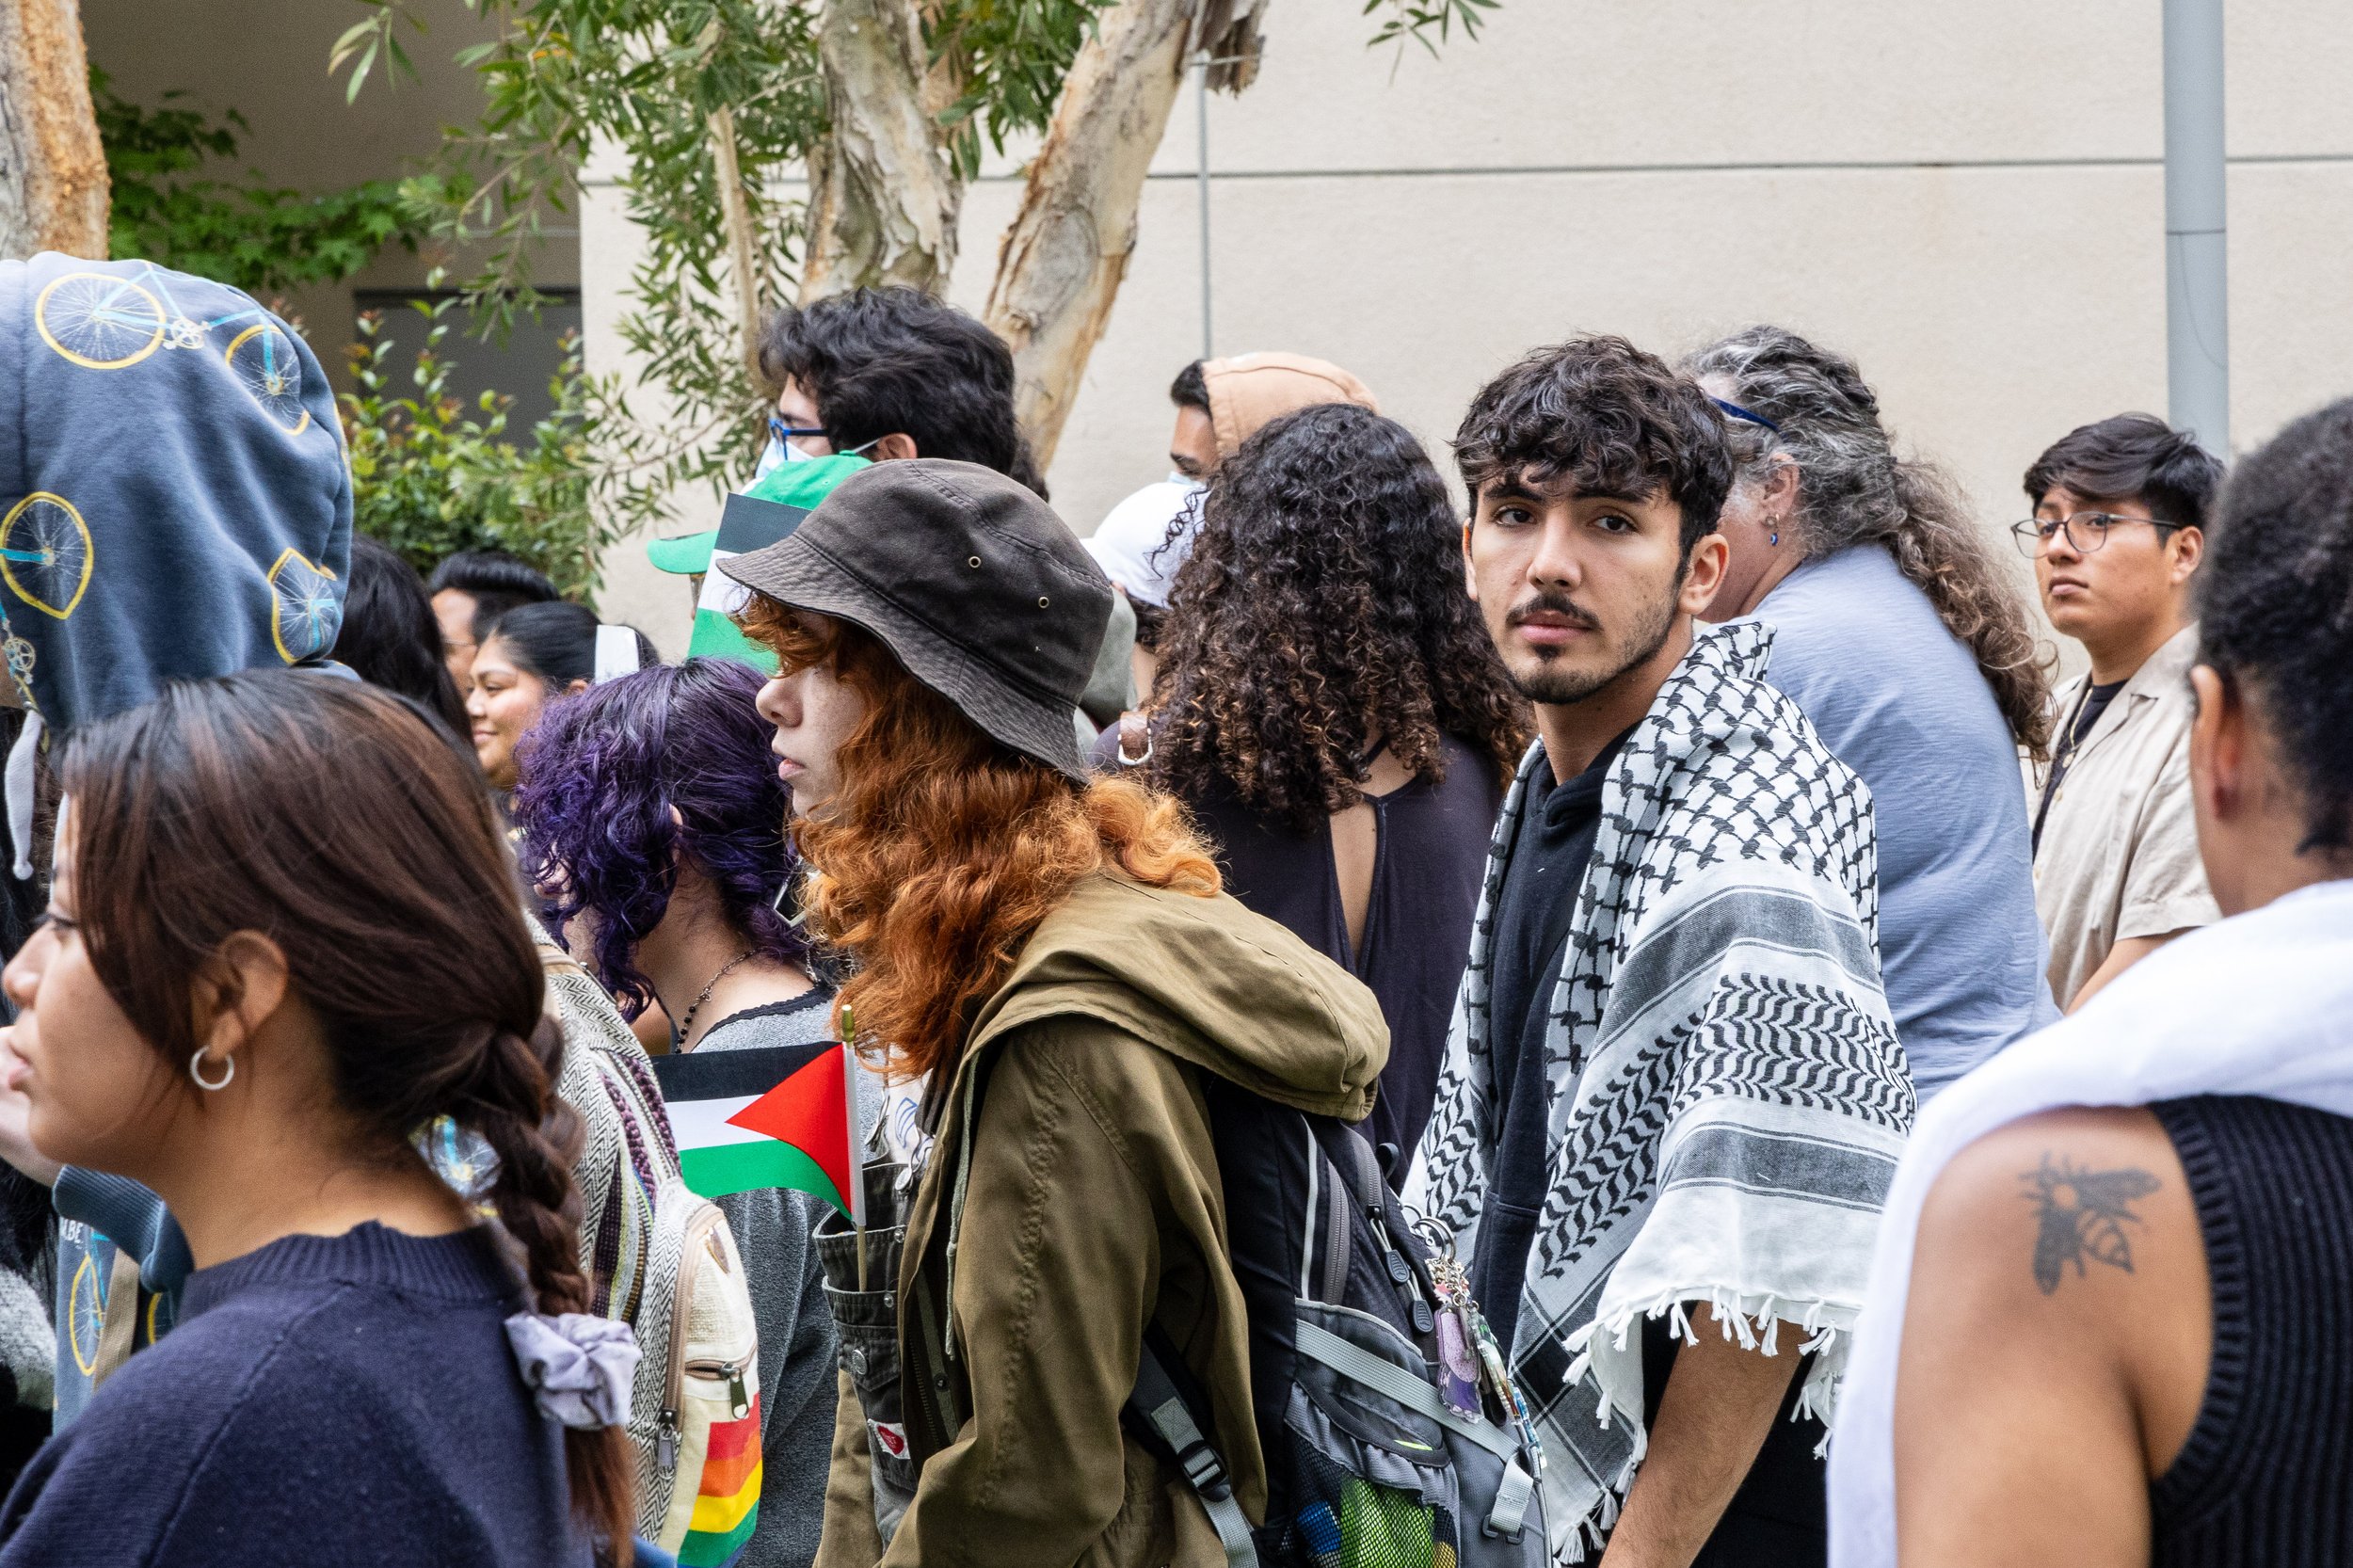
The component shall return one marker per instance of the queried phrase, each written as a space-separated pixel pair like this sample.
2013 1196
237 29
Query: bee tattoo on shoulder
2082 1214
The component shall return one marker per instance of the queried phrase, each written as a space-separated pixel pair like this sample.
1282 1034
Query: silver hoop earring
196 1071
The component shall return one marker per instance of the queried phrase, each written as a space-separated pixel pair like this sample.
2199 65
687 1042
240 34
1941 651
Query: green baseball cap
687 555
754 519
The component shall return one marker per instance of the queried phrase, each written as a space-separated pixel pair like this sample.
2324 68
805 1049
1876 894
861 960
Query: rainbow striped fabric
726 1509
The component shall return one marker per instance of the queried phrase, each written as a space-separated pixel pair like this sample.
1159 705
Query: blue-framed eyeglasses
784 432
1751 415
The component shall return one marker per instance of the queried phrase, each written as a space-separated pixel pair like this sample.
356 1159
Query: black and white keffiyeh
1727 1096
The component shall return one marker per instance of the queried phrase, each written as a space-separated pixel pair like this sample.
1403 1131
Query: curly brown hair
949 849
1322 608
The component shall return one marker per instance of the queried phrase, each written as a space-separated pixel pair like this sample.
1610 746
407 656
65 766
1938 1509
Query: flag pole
857 1141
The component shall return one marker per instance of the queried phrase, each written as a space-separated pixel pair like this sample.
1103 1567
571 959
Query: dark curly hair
602 770
2275 608
1324 605
1609 418
894 361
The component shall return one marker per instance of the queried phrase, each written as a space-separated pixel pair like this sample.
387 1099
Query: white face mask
775 456
779 452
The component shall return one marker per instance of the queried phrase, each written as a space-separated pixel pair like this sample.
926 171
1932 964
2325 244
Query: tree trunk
1061 265
742 257
53 171
884 194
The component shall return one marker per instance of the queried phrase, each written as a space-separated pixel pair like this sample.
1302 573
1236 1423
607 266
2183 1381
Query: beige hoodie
1250 390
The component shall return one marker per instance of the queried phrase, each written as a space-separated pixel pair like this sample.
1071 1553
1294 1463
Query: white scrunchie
580 1368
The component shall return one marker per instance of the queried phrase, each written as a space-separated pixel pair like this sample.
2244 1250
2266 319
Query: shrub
432 475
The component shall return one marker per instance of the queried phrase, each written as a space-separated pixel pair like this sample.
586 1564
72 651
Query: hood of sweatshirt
174 497
1210 982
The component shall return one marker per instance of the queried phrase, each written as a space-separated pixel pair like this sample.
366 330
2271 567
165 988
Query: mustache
1556 604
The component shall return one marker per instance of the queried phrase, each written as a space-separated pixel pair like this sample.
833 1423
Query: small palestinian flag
777 1116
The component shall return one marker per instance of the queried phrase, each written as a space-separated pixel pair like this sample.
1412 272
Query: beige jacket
1082 1204
2118 855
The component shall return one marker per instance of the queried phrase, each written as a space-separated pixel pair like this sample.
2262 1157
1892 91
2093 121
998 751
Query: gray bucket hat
969 578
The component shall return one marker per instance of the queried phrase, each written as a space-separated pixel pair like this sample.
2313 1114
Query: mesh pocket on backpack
1369 1481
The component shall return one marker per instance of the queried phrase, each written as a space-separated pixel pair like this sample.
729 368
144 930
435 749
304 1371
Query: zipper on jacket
956 1202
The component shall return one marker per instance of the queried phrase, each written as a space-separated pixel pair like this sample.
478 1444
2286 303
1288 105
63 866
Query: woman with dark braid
284 982
1912 654
1330 707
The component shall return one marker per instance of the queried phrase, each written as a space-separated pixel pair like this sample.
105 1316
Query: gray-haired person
1899 635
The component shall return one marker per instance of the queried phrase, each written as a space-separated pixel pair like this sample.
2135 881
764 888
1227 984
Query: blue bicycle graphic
104 321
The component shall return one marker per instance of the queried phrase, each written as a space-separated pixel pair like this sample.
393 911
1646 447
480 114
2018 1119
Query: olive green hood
1208 982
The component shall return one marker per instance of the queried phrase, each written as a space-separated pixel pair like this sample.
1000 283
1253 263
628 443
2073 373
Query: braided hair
340 821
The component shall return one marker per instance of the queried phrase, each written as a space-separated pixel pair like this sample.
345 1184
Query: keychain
1466 1347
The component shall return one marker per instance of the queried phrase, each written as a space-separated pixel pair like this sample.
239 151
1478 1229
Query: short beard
1556 687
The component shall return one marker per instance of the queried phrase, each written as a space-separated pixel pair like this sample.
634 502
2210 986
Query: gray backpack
1371 1456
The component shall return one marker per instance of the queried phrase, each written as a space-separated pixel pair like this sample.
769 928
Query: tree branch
741 256
1060 266
884 195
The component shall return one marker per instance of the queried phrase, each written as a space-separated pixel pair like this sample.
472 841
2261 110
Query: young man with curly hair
1672 1097
1053 951
893 373
2110 1325
1337 720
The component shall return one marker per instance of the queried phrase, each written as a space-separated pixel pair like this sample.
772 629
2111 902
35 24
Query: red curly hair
948 848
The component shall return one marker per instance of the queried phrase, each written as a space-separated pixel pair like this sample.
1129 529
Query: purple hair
601 773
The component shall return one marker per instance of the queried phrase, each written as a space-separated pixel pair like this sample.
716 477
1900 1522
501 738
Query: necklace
687 1023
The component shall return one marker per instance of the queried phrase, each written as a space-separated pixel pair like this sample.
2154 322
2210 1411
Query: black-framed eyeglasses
2086 530
783 432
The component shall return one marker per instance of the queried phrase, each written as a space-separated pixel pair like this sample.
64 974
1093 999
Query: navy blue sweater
346 1400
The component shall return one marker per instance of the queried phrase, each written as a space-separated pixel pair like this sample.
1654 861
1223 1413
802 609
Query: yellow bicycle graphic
267 365
86 1315
102 322
308 614
45 553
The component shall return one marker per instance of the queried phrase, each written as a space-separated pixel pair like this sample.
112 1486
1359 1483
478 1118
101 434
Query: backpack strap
1416 1394
1161 1406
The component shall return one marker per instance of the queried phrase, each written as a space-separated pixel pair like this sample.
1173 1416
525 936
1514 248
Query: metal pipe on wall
2197 277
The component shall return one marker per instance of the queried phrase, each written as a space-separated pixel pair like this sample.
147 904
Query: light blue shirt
1899 699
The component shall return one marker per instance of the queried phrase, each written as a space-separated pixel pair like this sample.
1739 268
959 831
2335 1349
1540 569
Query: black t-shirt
1534 910
1777 1518
2095 702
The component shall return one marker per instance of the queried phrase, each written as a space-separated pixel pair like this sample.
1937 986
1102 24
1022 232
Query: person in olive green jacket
1055 955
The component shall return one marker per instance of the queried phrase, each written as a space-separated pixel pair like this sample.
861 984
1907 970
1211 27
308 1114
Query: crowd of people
1610 1013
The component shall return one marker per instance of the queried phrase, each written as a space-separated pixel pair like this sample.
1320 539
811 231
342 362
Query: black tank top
2267 1476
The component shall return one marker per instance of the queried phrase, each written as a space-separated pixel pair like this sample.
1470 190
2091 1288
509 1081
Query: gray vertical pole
2196 291
1201 177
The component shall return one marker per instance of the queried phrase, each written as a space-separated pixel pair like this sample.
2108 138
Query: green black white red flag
776 1116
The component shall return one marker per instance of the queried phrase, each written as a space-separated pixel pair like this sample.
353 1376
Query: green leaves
1011 56
1419 19
432 475
363 41
263 239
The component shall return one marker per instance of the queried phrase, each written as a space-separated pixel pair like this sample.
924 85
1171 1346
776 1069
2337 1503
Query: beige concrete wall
1967 198
267 60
